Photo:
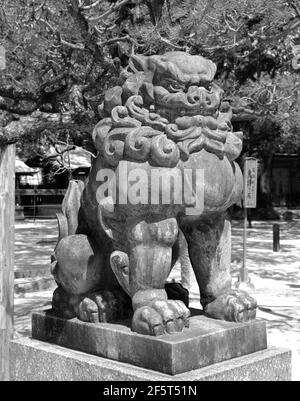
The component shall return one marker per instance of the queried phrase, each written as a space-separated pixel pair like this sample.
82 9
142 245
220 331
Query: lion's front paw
161 317
104 306
236 306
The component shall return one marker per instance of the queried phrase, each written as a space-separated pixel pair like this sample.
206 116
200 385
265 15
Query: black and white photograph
149 193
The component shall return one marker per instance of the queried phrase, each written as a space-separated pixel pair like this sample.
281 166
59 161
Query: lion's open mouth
172 106
171 113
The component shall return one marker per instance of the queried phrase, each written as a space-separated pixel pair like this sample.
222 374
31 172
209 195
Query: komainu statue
164 175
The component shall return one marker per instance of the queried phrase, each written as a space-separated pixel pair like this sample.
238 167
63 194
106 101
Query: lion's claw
161 317
104 306
236 306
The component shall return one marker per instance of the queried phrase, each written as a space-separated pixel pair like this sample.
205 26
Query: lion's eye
209 87
174 86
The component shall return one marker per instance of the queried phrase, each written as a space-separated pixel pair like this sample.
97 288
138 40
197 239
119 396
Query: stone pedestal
206 342
70 350
33 360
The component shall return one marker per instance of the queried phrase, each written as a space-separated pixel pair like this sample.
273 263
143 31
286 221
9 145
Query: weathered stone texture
206 342
33 360
166 119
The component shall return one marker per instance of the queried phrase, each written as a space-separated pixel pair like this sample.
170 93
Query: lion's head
166 108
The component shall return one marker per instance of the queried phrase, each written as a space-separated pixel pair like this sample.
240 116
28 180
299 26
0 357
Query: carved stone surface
206 342
167 117
33 360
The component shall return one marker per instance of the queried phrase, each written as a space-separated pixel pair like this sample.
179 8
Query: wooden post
249 201
244 272
7 213
276 237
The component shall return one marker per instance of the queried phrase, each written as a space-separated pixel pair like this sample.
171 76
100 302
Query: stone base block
206 342
33 360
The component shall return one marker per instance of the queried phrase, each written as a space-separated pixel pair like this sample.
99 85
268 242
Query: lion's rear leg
150 260
79 269
209 241
87 287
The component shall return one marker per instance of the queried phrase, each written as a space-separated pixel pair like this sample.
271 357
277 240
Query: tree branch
126 38
38 122
111 10
245 114
40 6
75 46
85 8
166 41
293 5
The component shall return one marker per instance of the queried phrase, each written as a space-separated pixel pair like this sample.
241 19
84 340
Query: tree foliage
63 55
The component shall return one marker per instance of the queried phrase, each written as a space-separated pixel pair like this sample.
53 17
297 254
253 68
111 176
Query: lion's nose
197 95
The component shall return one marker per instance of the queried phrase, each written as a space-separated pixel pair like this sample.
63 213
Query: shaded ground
34 243
275 276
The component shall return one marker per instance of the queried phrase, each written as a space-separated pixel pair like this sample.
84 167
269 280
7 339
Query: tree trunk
7 213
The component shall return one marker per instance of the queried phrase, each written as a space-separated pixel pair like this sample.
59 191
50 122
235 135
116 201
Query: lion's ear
158 64
211 69
138 63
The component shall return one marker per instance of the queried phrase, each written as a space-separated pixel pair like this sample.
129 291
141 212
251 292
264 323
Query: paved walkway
275 276
34 243
276 279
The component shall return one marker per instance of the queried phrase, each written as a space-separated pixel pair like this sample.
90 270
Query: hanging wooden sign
250 182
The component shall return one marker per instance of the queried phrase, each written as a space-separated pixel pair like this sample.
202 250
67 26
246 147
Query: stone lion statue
115 254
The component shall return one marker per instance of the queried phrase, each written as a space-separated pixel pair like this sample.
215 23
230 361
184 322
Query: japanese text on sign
250 182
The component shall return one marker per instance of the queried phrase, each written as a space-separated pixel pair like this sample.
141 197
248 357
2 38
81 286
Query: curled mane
144 119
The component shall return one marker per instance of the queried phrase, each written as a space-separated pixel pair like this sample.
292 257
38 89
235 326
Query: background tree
62 56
